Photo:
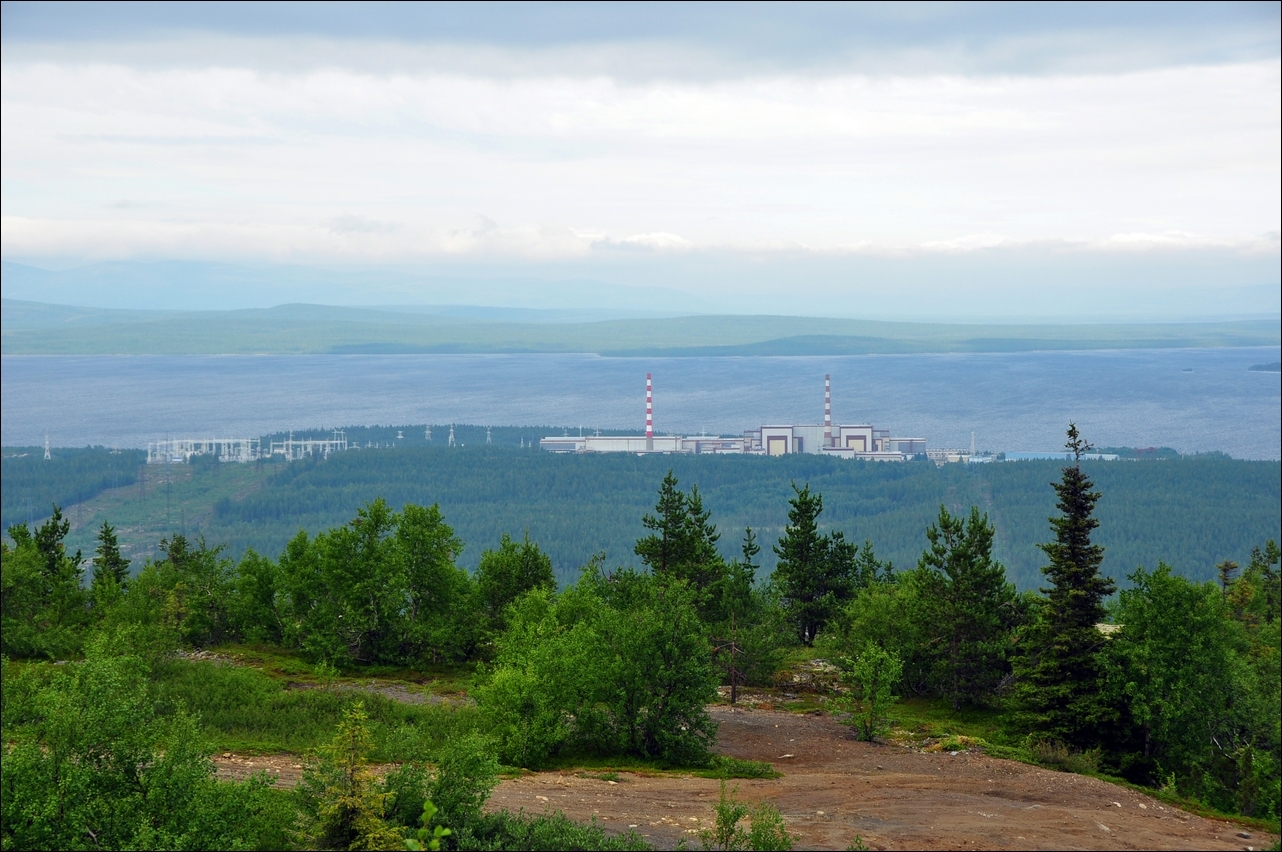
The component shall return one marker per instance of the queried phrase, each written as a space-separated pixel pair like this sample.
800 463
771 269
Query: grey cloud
655 40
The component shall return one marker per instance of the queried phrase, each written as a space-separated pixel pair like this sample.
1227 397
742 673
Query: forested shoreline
1192 512
1172 684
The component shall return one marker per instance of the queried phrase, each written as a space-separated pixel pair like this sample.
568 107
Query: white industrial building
640 444
854 441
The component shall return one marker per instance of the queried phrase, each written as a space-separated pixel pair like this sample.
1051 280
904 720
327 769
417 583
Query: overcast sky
866 160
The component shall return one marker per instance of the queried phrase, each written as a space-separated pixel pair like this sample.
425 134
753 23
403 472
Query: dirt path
286 769
835 788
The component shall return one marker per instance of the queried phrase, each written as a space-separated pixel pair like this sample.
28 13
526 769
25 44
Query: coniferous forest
120 682
1191 512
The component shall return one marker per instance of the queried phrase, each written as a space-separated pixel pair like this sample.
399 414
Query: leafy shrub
873 676
615 665
466 773
97 761
1056 755
766 830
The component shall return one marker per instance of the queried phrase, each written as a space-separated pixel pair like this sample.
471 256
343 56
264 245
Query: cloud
622 135
359 225
358 165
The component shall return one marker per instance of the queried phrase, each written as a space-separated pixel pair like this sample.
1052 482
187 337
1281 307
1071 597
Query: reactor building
851 440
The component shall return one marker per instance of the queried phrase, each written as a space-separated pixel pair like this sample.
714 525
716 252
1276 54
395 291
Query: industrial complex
841 440
852 440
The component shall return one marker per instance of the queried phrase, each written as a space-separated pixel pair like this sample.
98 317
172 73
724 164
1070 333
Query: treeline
1173 683
1196 512
32 484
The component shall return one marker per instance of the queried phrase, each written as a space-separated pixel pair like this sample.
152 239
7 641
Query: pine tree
108 564
684 542
661 549
1227 572
1059 671
815 573
970 605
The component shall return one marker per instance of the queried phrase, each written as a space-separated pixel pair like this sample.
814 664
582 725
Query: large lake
1194 400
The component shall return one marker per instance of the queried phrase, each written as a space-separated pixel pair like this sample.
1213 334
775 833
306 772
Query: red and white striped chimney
827 410
649 407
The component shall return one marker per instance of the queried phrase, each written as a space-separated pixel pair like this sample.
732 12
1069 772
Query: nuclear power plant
843 440
849 440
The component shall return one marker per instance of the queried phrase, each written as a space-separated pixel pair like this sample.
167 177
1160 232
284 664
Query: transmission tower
451 434
487 435
47 456
427 434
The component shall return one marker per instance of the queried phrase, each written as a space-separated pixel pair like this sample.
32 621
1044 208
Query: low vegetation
119 684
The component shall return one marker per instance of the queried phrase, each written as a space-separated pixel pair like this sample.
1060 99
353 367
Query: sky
968 161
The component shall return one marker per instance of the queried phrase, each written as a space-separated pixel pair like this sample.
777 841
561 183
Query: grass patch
290 665
932 725
246 710
724 766
1054 755
1199 808
957 743
608 768
935 719
582 764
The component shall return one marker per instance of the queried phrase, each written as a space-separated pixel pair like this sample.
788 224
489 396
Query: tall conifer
815 573
1059 672
108 563
683 544
970 605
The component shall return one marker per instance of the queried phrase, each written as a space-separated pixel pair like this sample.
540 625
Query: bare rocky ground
835 788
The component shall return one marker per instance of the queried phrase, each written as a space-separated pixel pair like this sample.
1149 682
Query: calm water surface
1193 400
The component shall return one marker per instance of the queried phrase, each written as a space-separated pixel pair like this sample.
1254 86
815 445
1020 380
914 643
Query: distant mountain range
170 285
28 327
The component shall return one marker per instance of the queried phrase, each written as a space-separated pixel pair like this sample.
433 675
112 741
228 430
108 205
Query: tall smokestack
649 413
827 410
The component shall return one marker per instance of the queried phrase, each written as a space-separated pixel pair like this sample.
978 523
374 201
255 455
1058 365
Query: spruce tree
108 564
1059 671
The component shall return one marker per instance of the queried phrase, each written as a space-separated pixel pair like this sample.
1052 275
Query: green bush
766 830
98 767
724 766
616 665
1056 755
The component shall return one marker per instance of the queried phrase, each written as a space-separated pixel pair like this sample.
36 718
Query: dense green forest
31 484
1191 512
1172 683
